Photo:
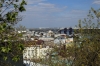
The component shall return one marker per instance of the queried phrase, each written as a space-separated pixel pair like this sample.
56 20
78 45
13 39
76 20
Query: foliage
87 46
10 43
20 28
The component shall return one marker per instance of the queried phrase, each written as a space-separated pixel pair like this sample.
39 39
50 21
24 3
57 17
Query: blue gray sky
56 13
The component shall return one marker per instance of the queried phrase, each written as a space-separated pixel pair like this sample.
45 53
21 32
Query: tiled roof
34 43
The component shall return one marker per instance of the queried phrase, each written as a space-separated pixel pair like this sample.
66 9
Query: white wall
35 52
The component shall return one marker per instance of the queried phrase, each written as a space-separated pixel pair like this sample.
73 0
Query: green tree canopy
10 43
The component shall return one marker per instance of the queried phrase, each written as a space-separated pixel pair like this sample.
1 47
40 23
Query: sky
56 13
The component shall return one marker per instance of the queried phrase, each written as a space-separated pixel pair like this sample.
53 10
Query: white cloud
46 5
44 8
96 2
41 12
34 1
78 11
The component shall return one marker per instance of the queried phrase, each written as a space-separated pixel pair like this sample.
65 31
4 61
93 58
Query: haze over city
56 13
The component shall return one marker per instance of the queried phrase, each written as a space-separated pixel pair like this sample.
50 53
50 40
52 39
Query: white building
35 52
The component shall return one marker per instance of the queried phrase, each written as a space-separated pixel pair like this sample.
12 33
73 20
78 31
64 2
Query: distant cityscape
46 39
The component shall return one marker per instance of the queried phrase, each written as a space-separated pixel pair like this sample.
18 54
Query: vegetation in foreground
10 44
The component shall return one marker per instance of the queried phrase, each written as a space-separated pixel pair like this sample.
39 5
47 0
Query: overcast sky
56 13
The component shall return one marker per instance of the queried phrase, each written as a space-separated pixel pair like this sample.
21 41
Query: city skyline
56 13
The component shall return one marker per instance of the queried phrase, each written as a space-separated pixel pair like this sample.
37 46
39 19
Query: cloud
41 13
46 7
48 14
96 2
34 1
78 11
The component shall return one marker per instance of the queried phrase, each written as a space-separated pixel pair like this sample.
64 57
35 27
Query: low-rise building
35 50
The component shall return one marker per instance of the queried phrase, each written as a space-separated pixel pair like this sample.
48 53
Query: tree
20 28
10 44
87 42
